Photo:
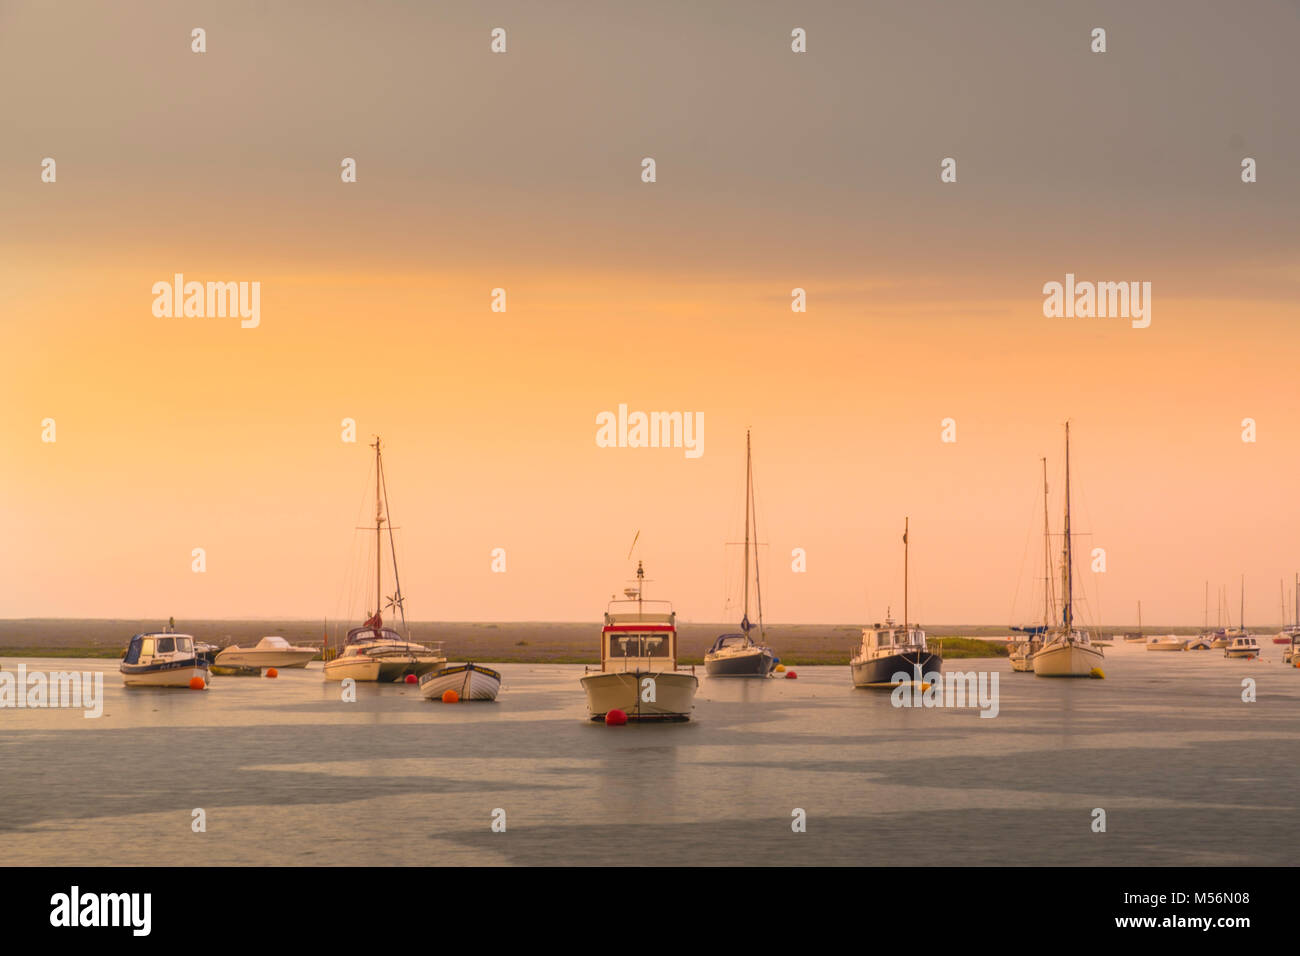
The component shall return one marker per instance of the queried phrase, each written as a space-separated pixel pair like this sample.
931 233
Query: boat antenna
396 601
904 575
379 526
633 547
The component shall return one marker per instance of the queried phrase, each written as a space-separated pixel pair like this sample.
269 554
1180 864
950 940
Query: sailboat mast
905 575
1069 550
1206 624
749 484
753 510
1241 617
1047 555
379 538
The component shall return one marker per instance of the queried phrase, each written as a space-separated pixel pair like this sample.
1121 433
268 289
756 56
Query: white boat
739 655
1170 642
270 651
1242 647
1067 651
889 650
373 652
469 681
162 659
1202 642
638 671
1022 654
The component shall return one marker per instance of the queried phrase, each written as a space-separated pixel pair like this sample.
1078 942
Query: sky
522 170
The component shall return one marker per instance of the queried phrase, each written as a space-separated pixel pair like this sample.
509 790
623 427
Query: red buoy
615 718
272 672
412 679
196 683
450 697
791 675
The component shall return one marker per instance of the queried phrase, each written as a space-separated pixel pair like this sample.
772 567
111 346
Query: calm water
289 774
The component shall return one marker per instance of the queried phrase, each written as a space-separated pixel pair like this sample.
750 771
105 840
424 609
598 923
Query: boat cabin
881 640
639 635
145 648
365 634
729 641
1243 644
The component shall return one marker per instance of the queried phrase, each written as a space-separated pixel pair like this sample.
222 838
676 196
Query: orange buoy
197 683
412 679
615 718
450 697
791 675
272 672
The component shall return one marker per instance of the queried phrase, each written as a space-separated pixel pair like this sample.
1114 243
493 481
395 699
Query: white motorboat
162 659
270 651
373 652
1246 646
889 650
739 655
1068 651
469 681
638 671
1170 642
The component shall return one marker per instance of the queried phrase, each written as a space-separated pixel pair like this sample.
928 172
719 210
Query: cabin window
183 644
146 647
166 645
638 645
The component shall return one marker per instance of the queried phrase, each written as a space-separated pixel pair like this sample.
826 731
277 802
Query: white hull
1067 660
674 695
173 677
357 668
469 683
251 657
1168 646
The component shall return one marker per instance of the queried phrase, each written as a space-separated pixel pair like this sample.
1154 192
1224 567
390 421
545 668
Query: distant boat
162 659
890 649
469 681
1170 642
270 651
1022 653
373 652
738 655
1290 633
1242 647
638 671
1200 643
1068 651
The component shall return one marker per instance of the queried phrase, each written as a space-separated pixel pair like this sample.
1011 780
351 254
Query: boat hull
354 668
1067 660
754 663
1240 653
880 671
236 657
165 677
1168 646
674 695
469 681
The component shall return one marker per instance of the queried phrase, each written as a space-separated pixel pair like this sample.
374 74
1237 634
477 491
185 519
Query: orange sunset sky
522 170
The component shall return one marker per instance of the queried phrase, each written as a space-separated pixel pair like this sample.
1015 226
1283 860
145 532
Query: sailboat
1022 654
1135 637
1290 633
373 652
638 671
738 655
1067 651
890 649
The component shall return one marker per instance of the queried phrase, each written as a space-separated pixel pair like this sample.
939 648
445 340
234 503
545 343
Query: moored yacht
373 652
739 655
162 659
270 651
1067 651
1246 646
638 671
890 653
1170 642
